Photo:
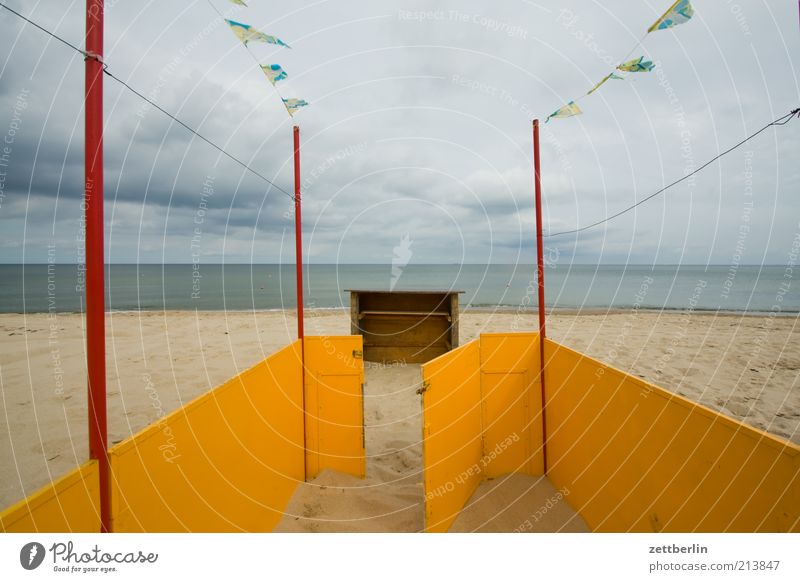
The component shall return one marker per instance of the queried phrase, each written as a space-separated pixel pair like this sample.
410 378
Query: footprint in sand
738 408
392 446
311 509
399 462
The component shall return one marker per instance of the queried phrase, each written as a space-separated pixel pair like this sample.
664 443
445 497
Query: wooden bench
404 326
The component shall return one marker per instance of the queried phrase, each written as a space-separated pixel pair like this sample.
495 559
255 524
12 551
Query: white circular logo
31 555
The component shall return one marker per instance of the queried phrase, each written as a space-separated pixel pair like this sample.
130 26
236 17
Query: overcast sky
419 126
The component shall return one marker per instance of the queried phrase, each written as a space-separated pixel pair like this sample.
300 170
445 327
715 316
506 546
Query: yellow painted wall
451 436
481 419
227 461
334 403
69 504
635 457
511 403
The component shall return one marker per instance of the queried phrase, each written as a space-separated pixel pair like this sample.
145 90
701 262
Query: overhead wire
780 121
126 85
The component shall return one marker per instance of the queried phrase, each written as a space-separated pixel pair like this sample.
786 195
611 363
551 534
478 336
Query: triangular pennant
292 105
678 13
568 110
637 66
247 33
274 73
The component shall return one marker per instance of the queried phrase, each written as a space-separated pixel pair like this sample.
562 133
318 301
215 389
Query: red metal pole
298 250
95 259
540 278
298 233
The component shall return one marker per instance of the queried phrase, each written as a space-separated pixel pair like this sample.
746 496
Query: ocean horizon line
225 286
388 263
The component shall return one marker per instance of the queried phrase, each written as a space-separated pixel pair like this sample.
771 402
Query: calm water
42 288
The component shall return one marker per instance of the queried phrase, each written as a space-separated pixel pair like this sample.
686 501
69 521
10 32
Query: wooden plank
354 317
404 291
417 314
454 320
388 332
404 326
403 354
399 301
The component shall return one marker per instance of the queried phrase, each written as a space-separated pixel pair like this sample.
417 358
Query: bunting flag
568 110
274 73
603 80
637 66
292 105
247 33
678 13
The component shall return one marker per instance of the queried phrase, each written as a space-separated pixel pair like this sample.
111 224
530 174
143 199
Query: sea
42 288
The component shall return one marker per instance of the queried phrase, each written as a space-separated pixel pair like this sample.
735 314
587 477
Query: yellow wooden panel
512 403
451 434
227 461
638 458
506 424
68 504
334 401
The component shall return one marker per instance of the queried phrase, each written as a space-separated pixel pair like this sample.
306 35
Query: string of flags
248 34
679 13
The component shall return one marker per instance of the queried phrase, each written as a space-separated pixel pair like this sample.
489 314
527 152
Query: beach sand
747 367
391 496
520 504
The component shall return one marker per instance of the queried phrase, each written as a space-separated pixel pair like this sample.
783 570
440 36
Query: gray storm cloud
419 127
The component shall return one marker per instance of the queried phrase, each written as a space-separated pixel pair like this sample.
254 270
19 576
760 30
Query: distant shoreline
464 309
388 265
221 287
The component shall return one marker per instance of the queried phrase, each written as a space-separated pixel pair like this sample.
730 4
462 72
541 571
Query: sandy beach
747 367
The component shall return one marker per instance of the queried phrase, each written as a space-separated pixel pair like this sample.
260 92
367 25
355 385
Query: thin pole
95 259
298 233
298 249
540 279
